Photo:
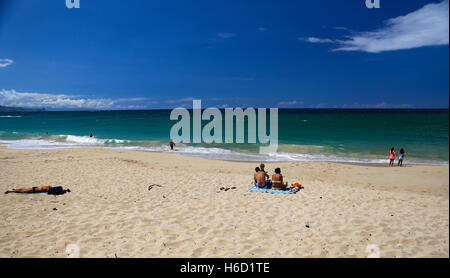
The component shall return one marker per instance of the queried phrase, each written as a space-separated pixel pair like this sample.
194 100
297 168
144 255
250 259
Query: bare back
260 178
277 181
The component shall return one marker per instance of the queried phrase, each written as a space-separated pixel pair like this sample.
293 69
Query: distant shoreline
368 164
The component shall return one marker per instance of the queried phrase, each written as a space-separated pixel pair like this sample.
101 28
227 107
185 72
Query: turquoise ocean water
345 135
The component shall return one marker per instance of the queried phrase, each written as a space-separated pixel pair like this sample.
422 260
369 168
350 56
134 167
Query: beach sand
111 213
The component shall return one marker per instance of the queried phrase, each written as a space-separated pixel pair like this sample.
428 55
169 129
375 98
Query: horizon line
41 109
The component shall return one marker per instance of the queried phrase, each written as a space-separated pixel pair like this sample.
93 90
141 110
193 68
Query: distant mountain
19 109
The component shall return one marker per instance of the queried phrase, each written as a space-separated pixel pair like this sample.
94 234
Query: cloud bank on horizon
428 26
13 98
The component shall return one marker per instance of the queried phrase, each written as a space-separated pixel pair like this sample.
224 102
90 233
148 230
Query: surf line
212 131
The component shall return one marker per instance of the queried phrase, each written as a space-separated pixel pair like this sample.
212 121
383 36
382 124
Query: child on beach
401 155
391 157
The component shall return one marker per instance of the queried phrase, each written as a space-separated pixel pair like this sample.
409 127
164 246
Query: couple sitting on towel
262 179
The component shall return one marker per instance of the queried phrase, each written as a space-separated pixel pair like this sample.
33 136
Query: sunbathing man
277 180
35 189
260 178
256 171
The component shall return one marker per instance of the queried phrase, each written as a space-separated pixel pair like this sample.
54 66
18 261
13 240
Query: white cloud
381 105
180 100
292 103
428 26
341 28
5 62
62 101
226 35
317 40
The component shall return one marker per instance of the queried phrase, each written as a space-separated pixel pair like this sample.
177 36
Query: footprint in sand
203 230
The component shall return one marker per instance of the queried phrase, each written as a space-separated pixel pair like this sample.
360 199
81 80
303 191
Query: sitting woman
57 190
277 180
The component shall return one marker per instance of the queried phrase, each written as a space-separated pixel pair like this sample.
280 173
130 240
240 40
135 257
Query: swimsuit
268 185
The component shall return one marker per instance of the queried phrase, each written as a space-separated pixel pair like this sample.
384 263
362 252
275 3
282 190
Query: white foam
72 141
222 154
35 144
60 141
10 116
86 140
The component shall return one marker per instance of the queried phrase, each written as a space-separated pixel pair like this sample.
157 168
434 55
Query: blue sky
113 54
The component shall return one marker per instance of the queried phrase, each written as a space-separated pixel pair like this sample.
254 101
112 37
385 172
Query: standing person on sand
171 143
391 157
401 155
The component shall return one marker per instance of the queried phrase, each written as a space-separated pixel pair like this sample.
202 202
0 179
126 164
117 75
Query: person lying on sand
277 180
260 178
39 189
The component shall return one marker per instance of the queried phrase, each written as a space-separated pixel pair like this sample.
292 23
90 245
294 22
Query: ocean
336 135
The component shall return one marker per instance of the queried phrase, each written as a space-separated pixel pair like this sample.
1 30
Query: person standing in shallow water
401 155
391 157
171 143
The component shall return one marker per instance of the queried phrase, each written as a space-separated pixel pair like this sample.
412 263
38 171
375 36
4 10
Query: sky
114 54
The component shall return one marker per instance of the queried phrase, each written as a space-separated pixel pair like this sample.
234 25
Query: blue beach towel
255 188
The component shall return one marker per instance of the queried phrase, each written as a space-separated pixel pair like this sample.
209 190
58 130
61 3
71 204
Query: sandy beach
112 213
